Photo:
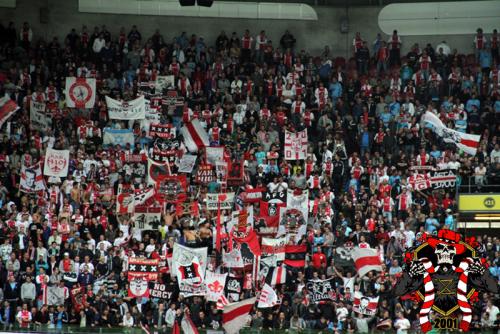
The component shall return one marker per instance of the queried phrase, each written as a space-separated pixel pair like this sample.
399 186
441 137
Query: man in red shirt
319 259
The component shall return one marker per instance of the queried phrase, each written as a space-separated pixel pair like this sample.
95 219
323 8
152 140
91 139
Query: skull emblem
445 253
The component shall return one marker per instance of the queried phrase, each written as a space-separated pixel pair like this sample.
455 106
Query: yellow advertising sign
479 203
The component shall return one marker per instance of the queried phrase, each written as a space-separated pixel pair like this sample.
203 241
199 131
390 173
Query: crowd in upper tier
366 144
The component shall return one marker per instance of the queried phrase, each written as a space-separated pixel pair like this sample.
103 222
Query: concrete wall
311 35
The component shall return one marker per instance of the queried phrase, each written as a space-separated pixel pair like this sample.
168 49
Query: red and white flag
279 276
188 327
296 145
464 141
215 285
365 305
268 297
80 92
56 163
195 136
142 195
221 302
236 315
366 260
124 203
7 108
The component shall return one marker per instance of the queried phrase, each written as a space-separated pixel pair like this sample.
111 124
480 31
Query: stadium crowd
364 138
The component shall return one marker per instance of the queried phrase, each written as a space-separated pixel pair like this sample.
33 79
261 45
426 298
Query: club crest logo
445 274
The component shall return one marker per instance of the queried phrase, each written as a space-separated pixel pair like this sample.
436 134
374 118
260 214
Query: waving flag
142 195
188 327
464 141
268 297
235 315
7 108
365 305
295 255
366 259
221 302
279 276
195 136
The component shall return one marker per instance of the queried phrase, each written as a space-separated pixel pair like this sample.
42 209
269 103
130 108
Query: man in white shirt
99 43
401 324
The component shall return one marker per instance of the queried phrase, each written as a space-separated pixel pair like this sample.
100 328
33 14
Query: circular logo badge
489 202
80 93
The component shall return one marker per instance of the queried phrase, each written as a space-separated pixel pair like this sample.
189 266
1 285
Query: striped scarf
429 291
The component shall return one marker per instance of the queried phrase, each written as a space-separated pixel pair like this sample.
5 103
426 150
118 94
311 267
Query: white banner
296 145
298 202
226 201
126 110
38 118
147 218
56 163
186 163
215 285
232 259
152 116
267 297
184 256
120 137
214 154
80 92
274 246
164 82
31 179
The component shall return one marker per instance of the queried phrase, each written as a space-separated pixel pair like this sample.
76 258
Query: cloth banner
39 119
195 136
7 108
162 130
296 145
226 201
80 92
122 137
138 285
164 82
147 218
183 255
126 110
366 260
56 163
31 179
365 305
160 291
186 163
321 290
464 141
147 268
232 259
267 297
214 154
215 285
272 246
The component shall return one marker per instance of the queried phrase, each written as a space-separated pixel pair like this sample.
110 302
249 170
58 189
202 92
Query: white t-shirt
402 326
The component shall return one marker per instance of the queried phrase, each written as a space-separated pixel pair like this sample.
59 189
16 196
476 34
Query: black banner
159 290
321 290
